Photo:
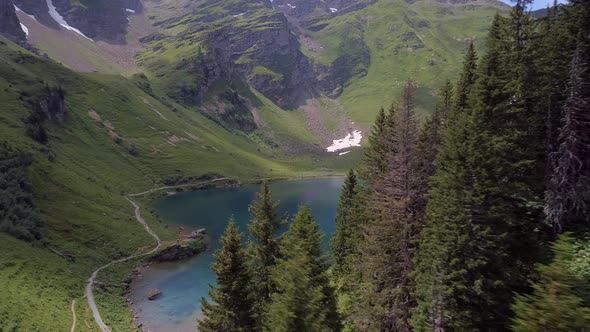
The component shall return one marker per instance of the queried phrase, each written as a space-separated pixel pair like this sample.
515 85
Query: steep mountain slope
104 138
206 53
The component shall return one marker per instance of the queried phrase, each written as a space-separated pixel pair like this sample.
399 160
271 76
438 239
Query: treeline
488 199
18 215
477 219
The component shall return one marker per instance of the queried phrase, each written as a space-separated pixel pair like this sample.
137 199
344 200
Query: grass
80 193
390 29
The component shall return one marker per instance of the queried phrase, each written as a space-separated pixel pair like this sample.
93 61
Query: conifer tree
449 253
554 304
465 274
466 80
557 44
232 306
567 201
373 162
263 227
348 221
432 130
345 246
303 300
395 214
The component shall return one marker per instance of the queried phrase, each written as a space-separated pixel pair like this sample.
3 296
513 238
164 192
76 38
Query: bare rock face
102 20
9 23
53 105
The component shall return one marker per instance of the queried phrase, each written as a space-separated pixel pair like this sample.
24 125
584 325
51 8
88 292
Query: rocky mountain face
258 43
209 54
100 20
243 41
105 20
9 23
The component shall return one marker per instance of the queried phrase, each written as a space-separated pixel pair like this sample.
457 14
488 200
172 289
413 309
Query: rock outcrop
9 24
52 104
101 20
179 251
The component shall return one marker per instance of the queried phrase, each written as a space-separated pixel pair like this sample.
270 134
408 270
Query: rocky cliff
100 20
255 42
9 24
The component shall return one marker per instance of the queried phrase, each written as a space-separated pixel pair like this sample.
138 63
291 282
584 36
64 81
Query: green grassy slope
423 42
79 193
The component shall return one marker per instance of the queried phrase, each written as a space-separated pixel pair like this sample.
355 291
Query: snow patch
25 30
238 15
343 153
130 10
60 20
20 10
291 6
348 141
333 10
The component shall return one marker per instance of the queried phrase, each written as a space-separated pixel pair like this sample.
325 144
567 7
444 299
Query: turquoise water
184 283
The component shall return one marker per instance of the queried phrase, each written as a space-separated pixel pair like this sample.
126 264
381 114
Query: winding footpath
74 320
90 295
88 292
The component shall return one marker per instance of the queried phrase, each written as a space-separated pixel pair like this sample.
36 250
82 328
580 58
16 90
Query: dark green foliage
432 129
396 205
348 222
263 227
466 81
35 125
232 308
554 304
567 201
49 106
557 44
374 161
142 82
303 300
452 247
480 242
18 215
350 217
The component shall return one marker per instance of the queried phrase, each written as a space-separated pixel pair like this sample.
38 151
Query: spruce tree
452 247
466 80
304 299
373 162
468 263
348 221
554 304
264 225
557 44
432 129
232 306
567 201
345 246
396 206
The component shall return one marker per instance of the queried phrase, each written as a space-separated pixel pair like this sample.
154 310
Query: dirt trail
88 292
91 280
73 328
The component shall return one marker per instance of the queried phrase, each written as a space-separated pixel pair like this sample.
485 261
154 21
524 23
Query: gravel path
138 217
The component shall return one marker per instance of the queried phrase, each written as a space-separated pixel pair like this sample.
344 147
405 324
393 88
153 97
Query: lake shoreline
143 277
183 232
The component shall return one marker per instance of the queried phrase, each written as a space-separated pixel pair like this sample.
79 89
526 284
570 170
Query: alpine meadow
294 165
